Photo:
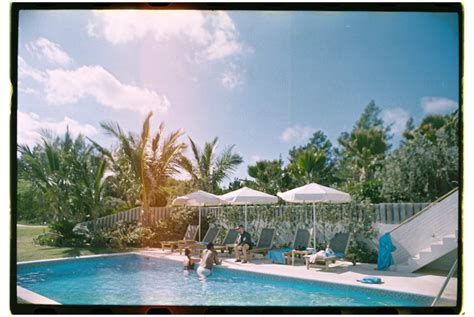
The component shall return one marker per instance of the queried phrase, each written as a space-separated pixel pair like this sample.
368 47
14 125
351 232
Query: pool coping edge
34 298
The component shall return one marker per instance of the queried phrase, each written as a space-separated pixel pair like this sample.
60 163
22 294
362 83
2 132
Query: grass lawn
28 251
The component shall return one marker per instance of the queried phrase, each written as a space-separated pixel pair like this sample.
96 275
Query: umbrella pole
314 226
199 223
245 212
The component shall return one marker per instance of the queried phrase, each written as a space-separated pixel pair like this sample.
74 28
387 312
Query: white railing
430 225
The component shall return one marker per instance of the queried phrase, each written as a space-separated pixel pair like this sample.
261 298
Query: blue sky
263 81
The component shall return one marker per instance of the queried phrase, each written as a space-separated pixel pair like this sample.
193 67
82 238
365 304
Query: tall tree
426 166
362 152
208 168
68 174
270 176
149 164
312 162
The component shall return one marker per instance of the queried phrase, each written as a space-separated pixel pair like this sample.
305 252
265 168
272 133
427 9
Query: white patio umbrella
199 199
314 193
248 196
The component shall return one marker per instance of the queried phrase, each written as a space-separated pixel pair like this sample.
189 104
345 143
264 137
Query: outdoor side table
300 252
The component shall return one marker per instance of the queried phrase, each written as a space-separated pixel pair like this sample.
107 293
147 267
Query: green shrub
100 238
129 234
48 239
174 226
362 252
63 234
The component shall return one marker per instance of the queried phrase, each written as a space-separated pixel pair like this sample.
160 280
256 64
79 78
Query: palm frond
112 128
101 149
99 179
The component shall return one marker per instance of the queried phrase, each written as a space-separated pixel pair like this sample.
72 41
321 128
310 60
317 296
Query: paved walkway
30 226
341 273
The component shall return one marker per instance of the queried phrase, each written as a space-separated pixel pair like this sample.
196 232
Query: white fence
386 213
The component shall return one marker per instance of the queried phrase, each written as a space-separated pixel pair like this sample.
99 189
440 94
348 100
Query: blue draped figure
386 248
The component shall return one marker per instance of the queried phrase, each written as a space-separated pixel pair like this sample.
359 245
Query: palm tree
311 166
68 174
207 168
150 164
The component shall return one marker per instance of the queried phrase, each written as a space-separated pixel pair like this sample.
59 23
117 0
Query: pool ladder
450 274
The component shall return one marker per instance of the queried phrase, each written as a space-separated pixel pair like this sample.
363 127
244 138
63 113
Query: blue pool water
139 280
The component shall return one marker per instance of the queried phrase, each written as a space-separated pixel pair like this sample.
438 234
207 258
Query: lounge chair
228 242
340 245
210 236
190 235
265 242
300 242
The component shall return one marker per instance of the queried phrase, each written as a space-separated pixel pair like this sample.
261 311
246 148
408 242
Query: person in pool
208 259
188 261
244 244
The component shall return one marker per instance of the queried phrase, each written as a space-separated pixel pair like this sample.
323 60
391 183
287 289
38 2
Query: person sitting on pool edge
188 261
244 244
208 258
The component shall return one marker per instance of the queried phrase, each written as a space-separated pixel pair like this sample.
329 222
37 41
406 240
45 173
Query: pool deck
341 273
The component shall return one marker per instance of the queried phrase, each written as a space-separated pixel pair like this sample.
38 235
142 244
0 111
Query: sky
264 81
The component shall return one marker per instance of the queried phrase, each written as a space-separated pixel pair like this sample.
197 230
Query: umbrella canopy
199 198
313 193
248 196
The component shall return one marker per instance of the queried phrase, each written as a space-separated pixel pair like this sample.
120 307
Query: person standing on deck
244 244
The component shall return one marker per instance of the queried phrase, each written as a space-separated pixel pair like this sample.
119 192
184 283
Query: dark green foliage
31 206
270 176
426 165
363 150
174 226
208 168
65 178
313 162
62 234
129 234
362 253
48 239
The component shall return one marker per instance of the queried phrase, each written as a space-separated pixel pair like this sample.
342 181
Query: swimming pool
135 279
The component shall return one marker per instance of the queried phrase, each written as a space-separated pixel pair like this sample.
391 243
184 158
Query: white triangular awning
249 196
199 198
313 193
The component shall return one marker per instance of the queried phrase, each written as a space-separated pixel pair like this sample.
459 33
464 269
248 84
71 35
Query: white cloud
214 32
26 90
397 117
231 78
53 52
26 71
433 105
30 124
255 158
68 86
296 133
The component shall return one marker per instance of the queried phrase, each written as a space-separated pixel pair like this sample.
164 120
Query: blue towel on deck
371 280
278 256
386 248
